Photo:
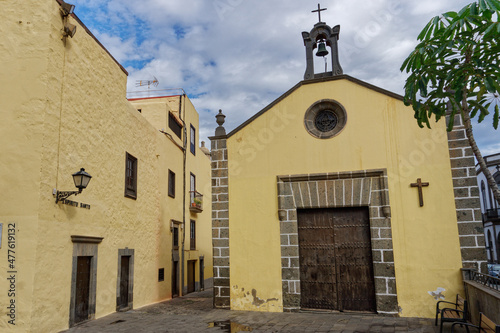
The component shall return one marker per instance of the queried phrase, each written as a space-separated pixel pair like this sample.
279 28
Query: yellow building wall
156 110
380 133
23 56
200 165
65 108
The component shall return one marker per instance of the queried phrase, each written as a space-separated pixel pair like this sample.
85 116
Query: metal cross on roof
319 11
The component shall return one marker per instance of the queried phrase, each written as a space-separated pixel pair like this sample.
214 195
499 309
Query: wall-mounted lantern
67 8
81 179
69 30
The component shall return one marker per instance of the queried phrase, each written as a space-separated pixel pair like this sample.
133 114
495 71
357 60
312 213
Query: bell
322 51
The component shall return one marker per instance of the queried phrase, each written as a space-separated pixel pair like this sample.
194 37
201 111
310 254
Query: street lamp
81 179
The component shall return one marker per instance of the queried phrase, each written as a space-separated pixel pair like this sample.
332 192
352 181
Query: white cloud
240 55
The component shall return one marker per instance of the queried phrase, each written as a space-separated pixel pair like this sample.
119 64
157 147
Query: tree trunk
482 164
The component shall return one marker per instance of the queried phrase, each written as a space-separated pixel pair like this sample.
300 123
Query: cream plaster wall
24 31
65 108
156 110
380 133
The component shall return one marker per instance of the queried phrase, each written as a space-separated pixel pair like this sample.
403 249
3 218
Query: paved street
194 313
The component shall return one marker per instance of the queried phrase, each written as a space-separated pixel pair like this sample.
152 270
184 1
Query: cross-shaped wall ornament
319 11
420 185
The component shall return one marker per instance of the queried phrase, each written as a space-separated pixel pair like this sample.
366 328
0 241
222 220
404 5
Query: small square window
171 184
130 176
161 274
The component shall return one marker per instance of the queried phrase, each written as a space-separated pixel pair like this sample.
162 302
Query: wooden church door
336 267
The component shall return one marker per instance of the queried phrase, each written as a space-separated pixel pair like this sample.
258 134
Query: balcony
492 214
196 202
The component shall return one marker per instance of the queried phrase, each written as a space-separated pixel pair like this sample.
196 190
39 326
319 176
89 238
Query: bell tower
321 37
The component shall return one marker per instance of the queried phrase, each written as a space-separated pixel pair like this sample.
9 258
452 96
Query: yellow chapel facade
140 231
332 198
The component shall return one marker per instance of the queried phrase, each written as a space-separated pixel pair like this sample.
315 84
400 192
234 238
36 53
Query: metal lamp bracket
62 195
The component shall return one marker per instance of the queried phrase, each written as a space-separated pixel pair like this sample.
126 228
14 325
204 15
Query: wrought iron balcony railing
493 213
484 279
196 202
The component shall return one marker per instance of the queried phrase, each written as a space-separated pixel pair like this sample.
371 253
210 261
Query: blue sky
240 55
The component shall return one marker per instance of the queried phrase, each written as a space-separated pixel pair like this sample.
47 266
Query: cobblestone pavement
194 313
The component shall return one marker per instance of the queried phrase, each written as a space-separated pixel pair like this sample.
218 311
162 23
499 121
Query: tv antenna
149 83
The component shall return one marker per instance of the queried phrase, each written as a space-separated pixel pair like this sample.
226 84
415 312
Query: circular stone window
325 119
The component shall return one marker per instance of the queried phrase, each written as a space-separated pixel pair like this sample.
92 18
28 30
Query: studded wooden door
336 268
82 289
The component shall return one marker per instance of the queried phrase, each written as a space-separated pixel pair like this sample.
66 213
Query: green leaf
494 5
473 8
458 95
482 5
451 121
490 84
487 15
424 31
473 112
452 15
490 29
482 115
422 87
495 117
464 12
481 92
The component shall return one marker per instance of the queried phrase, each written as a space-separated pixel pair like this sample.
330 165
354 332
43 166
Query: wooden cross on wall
420 185
319 11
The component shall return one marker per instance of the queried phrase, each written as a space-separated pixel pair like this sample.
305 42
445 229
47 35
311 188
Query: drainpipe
181 291
496 243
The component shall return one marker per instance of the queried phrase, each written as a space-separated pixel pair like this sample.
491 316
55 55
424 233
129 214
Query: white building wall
488 202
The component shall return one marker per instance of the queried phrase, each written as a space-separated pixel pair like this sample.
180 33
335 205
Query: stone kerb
467 202
220 222
367 188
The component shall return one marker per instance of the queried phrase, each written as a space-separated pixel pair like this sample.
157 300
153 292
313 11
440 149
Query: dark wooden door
82 289
202 274
175 281
354 259
124 281
317 260
336 268
191 276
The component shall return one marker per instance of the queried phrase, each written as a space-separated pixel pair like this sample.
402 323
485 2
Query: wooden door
82 289
335 259
317 260
124 281
175 281
202 274
354 259
191 276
